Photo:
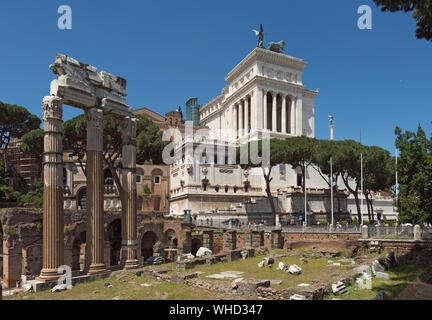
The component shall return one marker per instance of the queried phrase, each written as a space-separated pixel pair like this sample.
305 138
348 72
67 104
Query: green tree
33 195
15 121
7 194
421 12
277 156
349 161
299 152
33 144
326 149
378 174
414 200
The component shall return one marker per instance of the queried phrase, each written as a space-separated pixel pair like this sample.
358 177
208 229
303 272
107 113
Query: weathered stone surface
203 252
181 277
377 267
382 275
312 292
339 288
294 269
282 266
248 286
364 269
297 297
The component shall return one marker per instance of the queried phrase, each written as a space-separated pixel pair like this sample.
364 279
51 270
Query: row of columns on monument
278 113
53 216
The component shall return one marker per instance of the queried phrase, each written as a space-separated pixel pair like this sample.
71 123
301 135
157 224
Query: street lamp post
331 118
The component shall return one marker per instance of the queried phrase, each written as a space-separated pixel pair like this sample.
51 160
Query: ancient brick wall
22 239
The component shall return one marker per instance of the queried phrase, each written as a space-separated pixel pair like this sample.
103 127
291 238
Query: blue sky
170 51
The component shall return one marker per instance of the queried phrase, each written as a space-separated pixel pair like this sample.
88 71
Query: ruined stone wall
22 239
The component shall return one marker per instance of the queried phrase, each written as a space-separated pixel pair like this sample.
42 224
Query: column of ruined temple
95 192
53 244
129 207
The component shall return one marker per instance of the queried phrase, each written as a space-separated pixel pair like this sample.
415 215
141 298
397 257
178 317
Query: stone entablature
81 86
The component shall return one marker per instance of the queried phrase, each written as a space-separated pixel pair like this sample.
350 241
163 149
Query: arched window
108 178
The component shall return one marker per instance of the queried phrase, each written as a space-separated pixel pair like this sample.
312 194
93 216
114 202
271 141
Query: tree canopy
421 12
414 200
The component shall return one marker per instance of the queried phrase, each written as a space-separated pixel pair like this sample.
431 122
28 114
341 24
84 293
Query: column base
97 268
131 264
48 275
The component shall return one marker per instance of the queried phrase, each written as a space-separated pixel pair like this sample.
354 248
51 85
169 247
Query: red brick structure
21 246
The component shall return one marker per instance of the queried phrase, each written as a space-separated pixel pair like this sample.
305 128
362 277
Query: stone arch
82 198
148 241
74 239
108 177
78 251
196 244
115 240
171 238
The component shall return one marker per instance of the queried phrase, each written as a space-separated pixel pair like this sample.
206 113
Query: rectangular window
157 180
299 179
138 179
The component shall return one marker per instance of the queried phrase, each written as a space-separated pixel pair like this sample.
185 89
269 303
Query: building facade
264 98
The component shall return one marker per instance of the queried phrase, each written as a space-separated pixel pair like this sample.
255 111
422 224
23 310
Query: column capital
94 118
52 108
129 126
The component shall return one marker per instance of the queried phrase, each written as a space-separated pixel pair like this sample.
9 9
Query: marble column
299 114
235 119
129 203
246 106
265 109
256 110
283 114
95 190
53 237
274 112
240 106
293 117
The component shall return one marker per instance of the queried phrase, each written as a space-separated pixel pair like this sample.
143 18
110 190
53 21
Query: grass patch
400 277
126 286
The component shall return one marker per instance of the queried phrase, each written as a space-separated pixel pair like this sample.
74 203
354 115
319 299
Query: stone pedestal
248 239
129 204
278 224
95 192
365 232
53 224
276 239
417 233
187 243
208 239
229 240
257 239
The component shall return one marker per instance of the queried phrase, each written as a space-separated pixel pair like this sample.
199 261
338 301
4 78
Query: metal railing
391 232
427 234
223 224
